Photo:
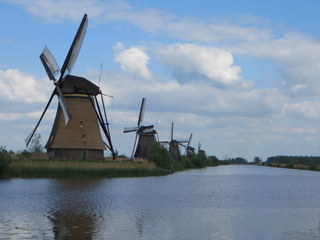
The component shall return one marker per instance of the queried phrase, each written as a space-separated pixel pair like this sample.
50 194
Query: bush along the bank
5 159
199 160
162 158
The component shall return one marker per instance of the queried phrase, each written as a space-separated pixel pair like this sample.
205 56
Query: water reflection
227 203
74 210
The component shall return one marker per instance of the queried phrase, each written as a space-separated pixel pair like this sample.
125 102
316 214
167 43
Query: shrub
5 159
160 156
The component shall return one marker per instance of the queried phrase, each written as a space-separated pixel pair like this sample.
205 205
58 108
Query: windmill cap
80 85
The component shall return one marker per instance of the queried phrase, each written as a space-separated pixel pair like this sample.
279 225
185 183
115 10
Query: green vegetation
305 160
31 163
30 168
237 160
161 157
5 160
297 162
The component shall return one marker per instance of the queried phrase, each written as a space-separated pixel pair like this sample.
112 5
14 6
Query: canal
236 202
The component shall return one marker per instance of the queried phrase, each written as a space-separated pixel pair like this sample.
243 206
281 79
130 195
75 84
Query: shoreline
35 168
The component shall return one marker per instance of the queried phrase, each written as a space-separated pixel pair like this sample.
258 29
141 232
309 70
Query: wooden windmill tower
75 134
145 135
201 150
174 145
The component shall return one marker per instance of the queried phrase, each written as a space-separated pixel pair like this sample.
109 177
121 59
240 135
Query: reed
28 168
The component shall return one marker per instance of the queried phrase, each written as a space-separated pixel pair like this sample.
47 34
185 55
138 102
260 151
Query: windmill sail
142 110
63 104
28 139
75 47
49 64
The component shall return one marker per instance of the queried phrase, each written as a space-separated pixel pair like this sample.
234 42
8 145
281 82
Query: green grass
27 168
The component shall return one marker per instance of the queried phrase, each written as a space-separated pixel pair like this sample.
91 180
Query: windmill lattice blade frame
75 47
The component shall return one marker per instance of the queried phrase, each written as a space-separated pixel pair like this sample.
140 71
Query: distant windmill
189 150
200 150
174 145
75 133
145 135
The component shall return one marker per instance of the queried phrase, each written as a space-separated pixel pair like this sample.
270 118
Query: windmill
174 145
145 135
75 133
200 150
189 150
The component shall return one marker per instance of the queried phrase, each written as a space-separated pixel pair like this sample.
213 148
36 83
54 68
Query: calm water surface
225 202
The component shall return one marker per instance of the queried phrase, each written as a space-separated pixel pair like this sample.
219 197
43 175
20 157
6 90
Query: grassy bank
159 163
30 168
295 166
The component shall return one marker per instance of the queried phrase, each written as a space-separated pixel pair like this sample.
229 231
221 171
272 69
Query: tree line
295 160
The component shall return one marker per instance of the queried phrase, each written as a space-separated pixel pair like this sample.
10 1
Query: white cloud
297 59
304 109
59 10
133 60
20 87
191 62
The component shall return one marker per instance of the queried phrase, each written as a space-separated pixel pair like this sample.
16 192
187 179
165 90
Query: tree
160 156
36 146
257 160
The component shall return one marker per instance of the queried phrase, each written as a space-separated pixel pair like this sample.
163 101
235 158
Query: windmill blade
134 145
188 144
63 105
49 63
189 141
130 129
142 109
75 47
28 139
172 124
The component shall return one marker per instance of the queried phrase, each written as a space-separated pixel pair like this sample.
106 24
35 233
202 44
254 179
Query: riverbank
37 168
295 166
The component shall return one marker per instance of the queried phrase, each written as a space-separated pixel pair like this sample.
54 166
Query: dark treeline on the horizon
305 160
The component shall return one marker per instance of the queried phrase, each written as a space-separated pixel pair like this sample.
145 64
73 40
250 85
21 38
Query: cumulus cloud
297 59
191 62
59 10
133 60
304 109
20 87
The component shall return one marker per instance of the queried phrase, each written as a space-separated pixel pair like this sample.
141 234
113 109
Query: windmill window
57 153
81 124
83 137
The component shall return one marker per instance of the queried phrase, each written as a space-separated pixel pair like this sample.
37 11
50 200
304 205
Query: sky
243 77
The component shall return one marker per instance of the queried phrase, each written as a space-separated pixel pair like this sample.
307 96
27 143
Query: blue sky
242 77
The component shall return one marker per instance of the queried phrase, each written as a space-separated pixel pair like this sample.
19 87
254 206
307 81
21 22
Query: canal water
225 202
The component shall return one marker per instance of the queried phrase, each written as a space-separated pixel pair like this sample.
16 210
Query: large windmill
174 145
145 135
75 134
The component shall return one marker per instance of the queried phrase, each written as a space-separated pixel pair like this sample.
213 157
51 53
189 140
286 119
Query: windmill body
81 137
145 140
75 134
174 149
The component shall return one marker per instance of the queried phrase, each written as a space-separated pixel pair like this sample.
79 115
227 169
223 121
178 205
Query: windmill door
84 155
